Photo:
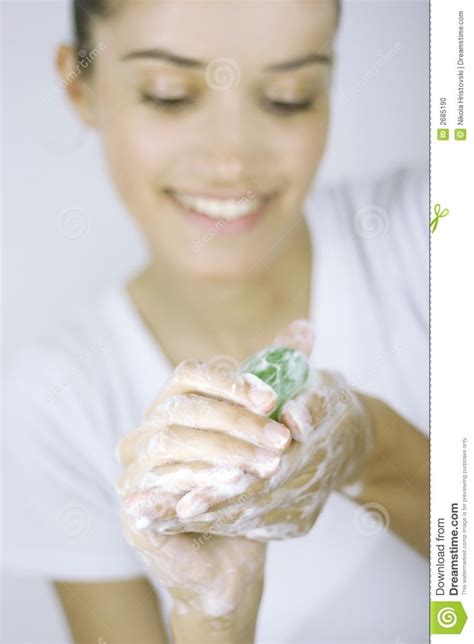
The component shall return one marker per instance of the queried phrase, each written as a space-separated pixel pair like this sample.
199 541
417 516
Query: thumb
299 335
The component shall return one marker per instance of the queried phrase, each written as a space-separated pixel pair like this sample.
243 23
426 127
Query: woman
214 118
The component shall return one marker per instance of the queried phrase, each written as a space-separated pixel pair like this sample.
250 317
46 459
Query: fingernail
297 418
277 435
261 394
266 462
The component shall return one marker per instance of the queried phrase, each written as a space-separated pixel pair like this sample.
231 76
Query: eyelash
279 107
282 108
167 103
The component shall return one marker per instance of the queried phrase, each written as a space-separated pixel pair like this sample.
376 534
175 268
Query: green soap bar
284 369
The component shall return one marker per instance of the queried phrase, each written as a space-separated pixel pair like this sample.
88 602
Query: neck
228 315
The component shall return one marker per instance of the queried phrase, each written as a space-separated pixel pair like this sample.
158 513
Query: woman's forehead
254 31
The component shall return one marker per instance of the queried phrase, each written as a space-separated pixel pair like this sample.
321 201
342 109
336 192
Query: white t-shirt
69 400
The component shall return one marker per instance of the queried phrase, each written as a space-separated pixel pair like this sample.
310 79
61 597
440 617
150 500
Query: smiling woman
192 117
213 119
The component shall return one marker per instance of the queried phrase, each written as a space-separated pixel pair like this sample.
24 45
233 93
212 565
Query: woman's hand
213 423
216 584
207 429
230 495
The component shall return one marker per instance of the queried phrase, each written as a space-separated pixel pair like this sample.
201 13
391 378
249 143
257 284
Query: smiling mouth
231 209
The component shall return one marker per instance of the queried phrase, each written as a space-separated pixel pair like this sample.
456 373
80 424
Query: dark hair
83 13
85 10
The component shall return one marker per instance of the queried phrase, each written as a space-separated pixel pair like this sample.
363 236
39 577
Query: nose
230 142
236 149
229 167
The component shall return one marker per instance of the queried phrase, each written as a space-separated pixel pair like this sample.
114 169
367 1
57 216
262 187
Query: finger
200 500
303 413
327 397
154 503
179 444
162 489
181 478
205 413
298 335
221 380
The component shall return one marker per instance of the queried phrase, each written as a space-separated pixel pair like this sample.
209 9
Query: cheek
313 146
138 157
134 151
302 149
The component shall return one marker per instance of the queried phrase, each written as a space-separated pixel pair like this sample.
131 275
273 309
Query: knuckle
222 370
163 413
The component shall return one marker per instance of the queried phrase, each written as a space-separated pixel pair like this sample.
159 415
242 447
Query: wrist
194 621
364 444
383 440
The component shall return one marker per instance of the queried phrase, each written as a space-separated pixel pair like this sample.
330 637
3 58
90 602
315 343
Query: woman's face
213 117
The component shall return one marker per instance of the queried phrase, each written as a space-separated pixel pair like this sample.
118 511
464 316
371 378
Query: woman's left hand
331 438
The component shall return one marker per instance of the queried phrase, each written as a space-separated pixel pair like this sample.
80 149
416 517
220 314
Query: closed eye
167 103
284 107
278 107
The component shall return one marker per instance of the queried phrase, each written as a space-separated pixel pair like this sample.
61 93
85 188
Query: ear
77 84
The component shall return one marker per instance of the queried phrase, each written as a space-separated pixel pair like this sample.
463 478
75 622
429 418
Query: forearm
115 612
190 625
396 474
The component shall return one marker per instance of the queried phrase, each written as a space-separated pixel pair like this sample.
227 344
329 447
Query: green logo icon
447 618
438 214
443 134
460 134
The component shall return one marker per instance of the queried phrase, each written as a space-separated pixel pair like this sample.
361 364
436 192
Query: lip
223 226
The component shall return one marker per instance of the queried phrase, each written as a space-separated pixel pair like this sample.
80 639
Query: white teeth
220 208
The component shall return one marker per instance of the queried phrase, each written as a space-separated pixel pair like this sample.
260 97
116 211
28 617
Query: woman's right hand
213 422
223 440
196 463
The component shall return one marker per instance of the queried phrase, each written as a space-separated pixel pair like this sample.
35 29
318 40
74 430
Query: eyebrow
182 61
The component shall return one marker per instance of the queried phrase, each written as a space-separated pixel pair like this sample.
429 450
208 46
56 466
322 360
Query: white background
51 164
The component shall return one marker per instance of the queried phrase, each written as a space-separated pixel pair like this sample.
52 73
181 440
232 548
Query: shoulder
377 227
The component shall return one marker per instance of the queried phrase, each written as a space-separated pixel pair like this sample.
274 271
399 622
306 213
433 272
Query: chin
220 267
